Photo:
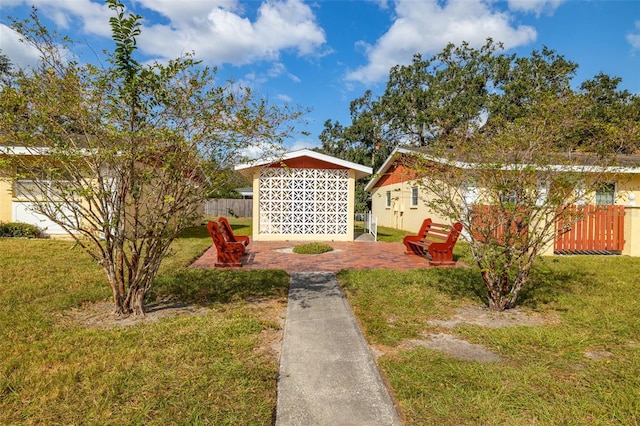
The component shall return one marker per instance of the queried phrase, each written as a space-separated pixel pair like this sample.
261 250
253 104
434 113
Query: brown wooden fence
233 207
600 230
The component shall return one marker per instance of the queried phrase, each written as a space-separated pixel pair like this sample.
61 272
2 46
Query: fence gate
600 230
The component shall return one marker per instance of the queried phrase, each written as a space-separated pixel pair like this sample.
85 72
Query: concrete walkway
327 374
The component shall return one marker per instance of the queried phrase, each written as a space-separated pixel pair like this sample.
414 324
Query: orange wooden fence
492 222
599 230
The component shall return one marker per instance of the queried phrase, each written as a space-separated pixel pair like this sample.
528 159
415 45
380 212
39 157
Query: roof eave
247 169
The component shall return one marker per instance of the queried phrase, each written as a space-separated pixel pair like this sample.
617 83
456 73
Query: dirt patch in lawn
101 314
480 315
460 348
273 311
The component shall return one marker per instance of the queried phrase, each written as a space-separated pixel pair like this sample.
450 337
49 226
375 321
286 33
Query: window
510 193
605 194
36 184
414 196
388 194
470 193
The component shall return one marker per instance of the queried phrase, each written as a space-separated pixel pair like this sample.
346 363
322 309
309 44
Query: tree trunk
137 302
119 301
497 297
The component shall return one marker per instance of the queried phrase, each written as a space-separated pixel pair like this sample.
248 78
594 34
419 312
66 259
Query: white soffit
361 171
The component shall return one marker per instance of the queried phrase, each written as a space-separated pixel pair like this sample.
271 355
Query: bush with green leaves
19 230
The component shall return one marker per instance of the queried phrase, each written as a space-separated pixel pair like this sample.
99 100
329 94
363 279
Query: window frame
44 191
415 196
605 194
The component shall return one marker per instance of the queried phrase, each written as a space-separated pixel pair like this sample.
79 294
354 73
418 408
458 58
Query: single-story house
247 193
397 198
16 206
19 194
303 195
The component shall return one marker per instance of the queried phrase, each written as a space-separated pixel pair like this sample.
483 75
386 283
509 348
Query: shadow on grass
207 286
545 286
549 280
460 283
193 232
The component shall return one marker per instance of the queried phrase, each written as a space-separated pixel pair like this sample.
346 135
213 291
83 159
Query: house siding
6 195
398 179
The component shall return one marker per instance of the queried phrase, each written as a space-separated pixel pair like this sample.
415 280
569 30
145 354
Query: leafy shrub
312 248
19 230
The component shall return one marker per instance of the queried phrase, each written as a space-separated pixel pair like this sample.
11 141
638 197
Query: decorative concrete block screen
303 201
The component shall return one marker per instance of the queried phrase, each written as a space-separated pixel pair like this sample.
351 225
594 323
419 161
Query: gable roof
628 163
386 165
248 168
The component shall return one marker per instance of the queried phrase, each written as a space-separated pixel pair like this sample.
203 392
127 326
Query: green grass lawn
210 369
200 369
544 377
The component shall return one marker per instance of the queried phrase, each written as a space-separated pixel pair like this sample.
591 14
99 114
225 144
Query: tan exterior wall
628 191
628 194
401 214
6 194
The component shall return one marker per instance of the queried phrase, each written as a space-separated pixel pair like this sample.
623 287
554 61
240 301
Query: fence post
632 231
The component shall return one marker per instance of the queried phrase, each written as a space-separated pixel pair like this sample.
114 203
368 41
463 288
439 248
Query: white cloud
284 98
218 31
634 37
184 13
253 152
262 151
223 34
427 26
21 55
383 4
9 3
91 17
293 78
536 6
277 69
299 144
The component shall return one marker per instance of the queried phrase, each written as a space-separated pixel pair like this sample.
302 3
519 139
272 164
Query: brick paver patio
346 255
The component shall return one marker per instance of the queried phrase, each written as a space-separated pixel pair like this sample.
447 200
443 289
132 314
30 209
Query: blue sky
322 54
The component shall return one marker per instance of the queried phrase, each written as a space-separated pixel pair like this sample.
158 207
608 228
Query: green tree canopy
516 142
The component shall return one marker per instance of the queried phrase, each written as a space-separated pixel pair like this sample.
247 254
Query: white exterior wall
319 206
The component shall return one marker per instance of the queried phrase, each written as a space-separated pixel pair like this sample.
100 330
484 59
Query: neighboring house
397 199
303 195
19 195
15 206
247 193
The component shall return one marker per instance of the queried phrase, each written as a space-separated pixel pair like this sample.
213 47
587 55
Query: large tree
509 146
122 156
